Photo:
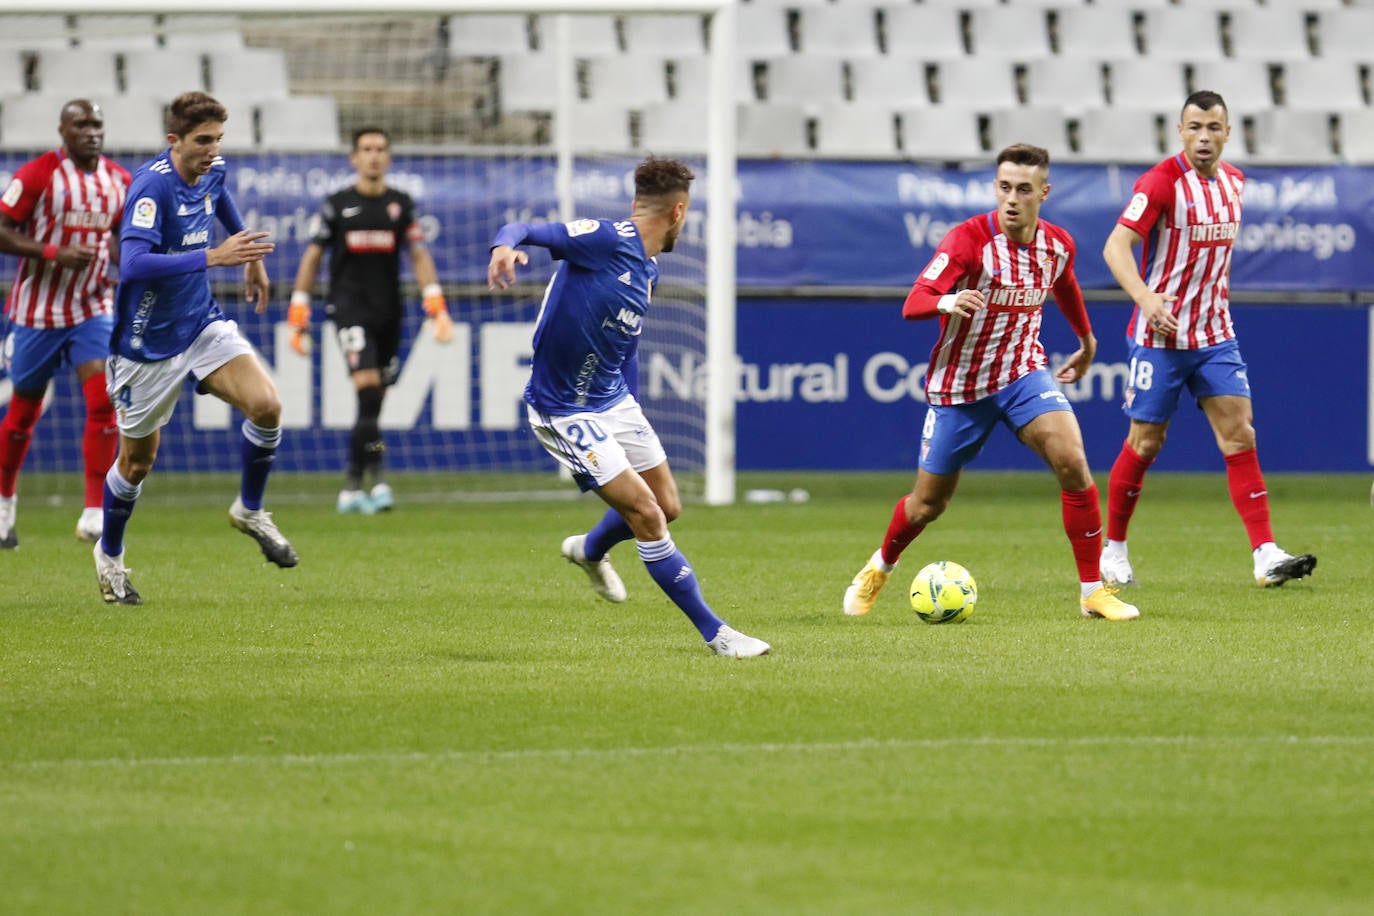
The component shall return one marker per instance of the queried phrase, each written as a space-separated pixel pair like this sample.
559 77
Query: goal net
497 111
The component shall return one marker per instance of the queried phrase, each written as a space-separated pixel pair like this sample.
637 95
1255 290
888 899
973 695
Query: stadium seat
924 32
1146 82
1283 136
1041 126
1014 33
75 72
627 80
1343 33
977 83
762 31
596 127
1309 6
852 130
11 71
487 34
162 73
190 32
593 34
260 72
668 35
28 123
1246 85
769 130
899 82
1269 34
1182 33
117 33
1357 135
846 30
672 128
528 82
133 124
1070 83
690 79
1098 32
299 122
1120 134
1322 84
940 134
800 79
34 31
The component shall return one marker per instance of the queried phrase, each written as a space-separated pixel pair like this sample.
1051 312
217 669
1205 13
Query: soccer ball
943 592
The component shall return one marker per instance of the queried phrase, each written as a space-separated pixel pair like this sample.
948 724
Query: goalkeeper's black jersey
364 237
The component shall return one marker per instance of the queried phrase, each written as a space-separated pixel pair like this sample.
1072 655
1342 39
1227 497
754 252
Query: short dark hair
191 109
661 177
364 131
1206 100
1025 154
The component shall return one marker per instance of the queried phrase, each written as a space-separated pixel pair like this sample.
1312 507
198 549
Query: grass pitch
434 714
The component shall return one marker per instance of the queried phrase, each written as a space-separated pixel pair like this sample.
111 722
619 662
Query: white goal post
718 116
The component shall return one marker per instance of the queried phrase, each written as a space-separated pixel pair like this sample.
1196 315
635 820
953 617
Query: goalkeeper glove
437 309
298 316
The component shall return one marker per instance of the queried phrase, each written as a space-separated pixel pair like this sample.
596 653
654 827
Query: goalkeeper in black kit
363 228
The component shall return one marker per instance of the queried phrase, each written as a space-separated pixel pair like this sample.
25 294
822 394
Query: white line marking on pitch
306 760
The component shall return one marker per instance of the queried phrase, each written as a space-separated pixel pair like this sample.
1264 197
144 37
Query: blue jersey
158 317
593 310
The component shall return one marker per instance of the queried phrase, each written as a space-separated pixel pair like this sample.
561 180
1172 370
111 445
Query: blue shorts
32 355
1158 376
953 436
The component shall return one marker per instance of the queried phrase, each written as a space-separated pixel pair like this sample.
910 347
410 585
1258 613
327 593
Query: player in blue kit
580 398
168 325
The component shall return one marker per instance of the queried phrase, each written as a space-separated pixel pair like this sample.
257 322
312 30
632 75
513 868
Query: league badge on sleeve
1136 207
582 227
13 193
145 213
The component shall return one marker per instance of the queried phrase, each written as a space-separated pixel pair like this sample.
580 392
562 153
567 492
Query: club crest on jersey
145 213
393 211
209 205
581 227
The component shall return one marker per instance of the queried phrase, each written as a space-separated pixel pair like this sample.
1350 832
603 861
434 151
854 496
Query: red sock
900 533
1083 525
15 432
1123 490
1249 496
100 440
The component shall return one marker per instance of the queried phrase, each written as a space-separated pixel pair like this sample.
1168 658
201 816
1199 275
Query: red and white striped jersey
57 203
1189 223
980 355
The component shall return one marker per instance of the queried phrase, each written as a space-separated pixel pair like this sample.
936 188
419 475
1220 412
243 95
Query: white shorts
145 394
598 447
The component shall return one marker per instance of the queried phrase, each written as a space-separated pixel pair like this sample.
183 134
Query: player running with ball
987 283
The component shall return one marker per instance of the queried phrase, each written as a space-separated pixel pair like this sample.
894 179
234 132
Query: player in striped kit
987 283
57 216
1185 213
580 397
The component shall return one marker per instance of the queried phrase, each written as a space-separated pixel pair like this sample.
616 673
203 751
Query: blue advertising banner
823 223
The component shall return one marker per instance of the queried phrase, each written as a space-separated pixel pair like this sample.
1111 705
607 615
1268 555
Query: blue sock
673 574
259 450
605 534
120 496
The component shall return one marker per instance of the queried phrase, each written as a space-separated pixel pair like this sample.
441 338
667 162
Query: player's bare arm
256 285
964 303
432 294
1120 257
501 270
12 241
1076 366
